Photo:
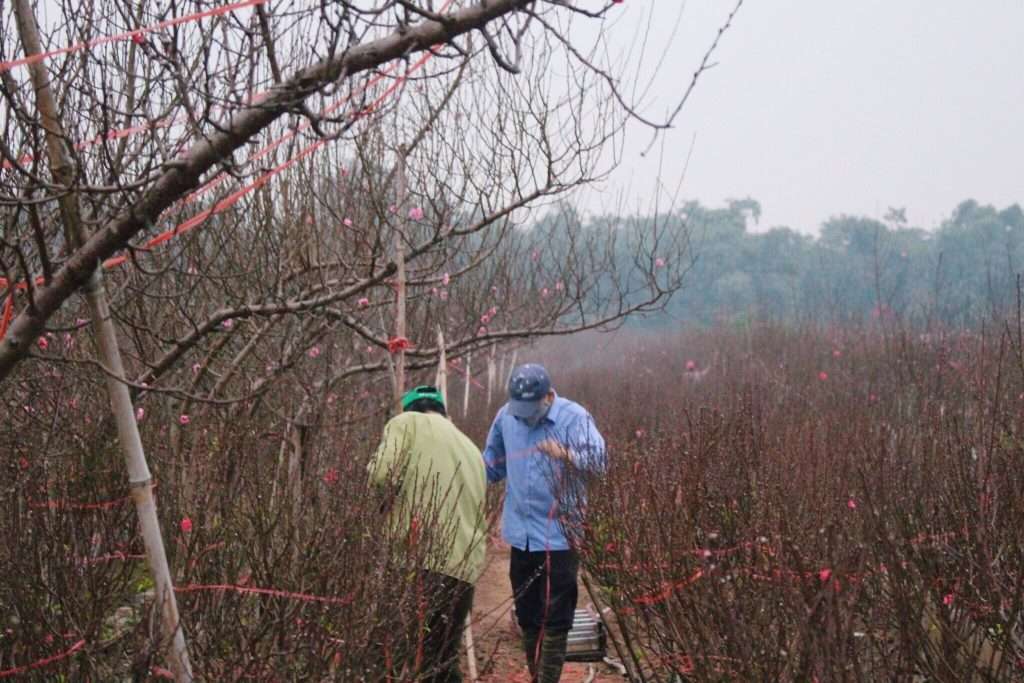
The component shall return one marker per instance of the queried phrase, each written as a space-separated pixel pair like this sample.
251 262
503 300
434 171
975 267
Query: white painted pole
442 367
491 374
469 374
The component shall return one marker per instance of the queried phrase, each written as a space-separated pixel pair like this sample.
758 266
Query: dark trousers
544 589
445 603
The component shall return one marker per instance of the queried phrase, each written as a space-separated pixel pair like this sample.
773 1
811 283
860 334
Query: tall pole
400 330
442 367
139 478
442 384
469 376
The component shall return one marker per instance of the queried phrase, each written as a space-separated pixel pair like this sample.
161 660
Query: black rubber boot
530 648
552 657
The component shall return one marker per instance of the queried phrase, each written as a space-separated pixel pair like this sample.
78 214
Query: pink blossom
445 279
393 209
314 352
535 256
659 262
416 213
852 504
691 366
482 331
184 419
196 367
640 433
43 343
947 599
443 296
492 311
494 290
559 286
825 574
309 219
139 414
823 375
186 525
836 353
544 293
485 319
363 302
23 463
228 324
369 349
347 222
331 476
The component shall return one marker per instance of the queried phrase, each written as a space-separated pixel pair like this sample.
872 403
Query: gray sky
822 107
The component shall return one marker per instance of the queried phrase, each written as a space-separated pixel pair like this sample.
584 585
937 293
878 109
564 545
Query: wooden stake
511 367
400 330
442 384
469 374
442 367
492 373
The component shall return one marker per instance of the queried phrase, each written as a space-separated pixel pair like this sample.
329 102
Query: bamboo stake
139 477
442 366
442 384
501 367
511 367
470 650
491 374
469 374
400 288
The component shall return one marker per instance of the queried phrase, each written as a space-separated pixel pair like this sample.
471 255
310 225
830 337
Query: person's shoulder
570 408
402 420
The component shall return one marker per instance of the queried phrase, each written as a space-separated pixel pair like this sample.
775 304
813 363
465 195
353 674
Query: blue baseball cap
527 387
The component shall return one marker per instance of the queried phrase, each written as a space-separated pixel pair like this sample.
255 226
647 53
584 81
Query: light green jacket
440 480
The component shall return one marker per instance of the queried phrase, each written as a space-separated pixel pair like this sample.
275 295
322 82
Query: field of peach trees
782 504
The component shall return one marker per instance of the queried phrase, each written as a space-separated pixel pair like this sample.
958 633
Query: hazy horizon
822 109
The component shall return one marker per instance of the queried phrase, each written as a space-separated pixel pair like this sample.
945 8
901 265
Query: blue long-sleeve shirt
543 493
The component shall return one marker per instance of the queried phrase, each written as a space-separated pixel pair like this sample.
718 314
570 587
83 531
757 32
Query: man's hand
554 450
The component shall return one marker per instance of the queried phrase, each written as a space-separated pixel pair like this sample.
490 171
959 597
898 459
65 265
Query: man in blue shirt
545 446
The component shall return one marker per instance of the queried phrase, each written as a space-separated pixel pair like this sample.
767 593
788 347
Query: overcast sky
822 107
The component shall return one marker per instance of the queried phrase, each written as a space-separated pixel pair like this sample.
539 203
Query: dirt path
498 652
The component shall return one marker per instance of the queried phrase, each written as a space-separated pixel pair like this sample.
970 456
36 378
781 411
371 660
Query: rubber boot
530 648
552 657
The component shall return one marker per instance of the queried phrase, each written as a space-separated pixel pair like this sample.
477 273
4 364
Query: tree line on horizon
856 269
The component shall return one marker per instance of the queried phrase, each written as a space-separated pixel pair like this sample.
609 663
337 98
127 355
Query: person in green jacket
433 475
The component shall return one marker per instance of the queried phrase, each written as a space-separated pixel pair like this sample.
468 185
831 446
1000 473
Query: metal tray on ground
588 641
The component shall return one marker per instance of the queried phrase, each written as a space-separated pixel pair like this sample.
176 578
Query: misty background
818 109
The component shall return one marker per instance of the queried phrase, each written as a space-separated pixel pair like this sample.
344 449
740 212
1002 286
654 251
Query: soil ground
498 652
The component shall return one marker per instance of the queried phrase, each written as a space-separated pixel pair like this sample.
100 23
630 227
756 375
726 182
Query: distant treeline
856 269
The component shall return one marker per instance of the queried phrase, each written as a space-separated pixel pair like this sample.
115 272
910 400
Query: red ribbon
6 673
5 320
398 344
273 592
230 200
129 35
